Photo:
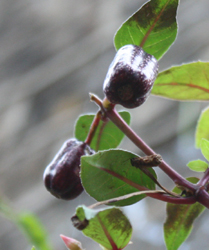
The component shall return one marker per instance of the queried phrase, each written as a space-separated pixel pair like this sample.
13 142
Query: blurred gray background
52 54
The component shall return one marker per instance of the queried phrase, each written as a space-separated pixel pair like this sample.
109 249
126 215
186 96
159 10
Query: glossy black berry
130 76
61 176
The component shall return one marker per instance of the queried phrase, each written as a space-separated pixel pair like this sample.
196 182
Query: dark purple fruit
130 76
61 176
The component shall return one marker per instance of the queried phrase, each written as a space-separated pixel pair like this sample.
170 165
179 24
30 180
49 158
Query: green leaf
205 148
109 227
107 134
33 248
109 174
34 230
179 221
202 130
152 27
185 82
198 165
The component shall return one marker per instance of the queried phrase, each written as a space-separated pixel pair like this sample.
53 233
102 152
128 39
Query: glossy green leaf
179 221
152 27
185 82
107 134
205 148
202 130
34 230
109 174
109 227
198 165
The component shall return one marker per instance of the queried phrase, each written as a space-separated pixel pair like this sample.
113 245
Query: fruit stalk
93 127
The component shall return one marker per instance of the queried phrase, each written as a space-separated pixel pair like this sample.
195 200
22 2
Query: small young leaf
33 248
185 82
198 165
152 27
205 148
179 221
202 130
107 134
109 227
71 243
34 230
109 174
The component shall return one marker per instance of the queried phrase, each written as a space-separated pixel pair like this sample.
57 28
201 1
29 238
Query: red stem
207 187
93 128
202 197
204 179
120 123
172 199
199 189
